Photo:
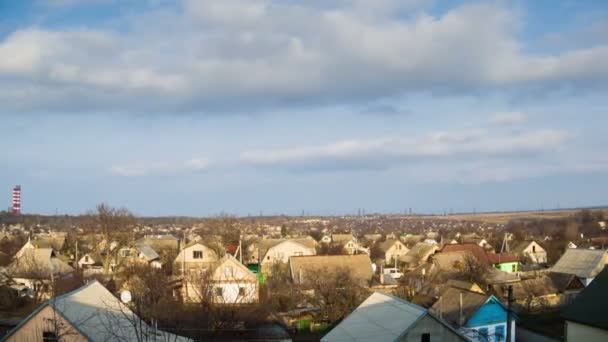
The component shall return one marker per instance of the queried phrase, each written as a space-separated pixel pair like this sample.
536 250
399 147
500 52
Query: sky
202 107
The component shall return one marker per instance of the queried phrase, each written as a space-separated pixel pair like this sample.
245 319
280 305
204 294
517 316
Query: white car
394 272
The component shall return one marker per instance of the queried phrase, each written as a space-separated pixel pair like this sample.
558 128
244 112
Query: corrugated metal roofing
584 263
379 318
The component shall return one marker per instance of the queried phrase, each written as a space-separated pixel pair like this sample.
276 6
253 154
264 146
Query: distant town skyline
200 107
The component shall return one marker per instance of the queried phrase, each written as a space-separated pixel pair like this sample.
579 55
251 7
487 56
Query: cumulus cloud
508 118
202 55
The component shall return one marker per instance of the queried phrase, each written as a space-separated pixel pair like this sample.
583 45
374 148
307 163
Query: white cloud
508 118
393 151
208 53
159 168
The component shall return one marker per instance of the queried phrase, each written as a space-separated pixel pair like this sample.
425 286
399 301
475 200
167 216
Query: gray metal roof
380 317
99 316
584 263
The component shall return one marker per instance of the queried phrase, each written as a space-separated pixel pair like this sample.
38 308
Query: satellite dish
125 296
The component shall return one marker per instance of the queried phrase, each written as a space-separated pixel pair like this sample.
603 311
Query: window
298 254
398 246
125 252
426 337
514 268
228 272
219 291
241 291
500 333
49 336
197 254
533 249
86 258
483 334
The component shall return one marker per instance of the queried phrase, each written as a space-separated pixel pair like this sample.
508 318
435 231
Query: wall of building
429 325
509 267
579 332
46 320
397 251
186 255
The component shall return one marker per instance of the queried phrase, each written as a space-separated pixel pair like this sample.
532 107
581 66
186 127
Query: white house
225 282
194 256
347 241
393 250
283 250
531 251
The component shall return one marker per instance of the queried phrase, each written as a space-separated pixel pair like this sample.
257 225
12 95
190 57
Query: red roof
231 248
502 257
478 252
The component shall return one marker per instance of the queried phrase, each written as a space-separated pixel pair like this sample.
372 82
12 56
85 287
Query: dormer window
197 254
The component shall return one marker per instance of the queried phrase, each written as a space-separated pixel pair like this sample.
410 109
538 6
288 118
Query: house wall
508 267
395 252
284 250
46 320
539 257
186 256
579 332
473 332
428 324
231 293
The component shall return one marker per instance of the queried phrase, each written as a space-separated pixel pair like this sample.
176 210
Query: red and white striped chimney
17 200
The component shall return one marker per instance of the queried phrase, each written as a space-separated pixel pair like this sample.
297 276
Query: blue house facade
489 322
480 317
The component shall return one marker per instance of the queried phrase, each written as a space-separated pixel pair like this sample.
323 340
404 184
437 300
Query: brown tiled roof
478 252
449 305
495 258
359 266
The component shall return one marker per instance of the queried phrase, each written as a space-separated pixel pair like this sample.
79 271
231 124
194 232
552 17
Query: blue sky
279 106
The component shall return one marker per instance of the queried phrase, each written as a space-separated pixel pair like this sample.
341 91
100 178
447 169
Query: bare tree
335 292
110 224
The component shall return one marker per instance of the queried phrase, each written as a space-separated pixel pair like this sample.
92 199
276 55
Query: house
90 313
195 256
411 239
530 251
419 254
548 291
161 242
382 317
586 318
35 269
91 263
584 263
372 237
140 253
55 243
347 241
393 250
473 249
227 281
571 245
506 262
279 250
359 267
479 317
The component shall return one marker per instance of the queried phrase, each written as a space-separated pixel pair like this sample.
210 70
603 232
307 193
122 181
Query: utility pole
509 300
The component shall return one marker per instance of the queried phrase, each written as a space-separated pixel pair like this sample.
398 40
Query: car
393 272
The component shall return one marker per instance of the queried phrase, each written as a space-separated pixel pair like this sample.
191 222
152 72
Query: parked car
394 272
